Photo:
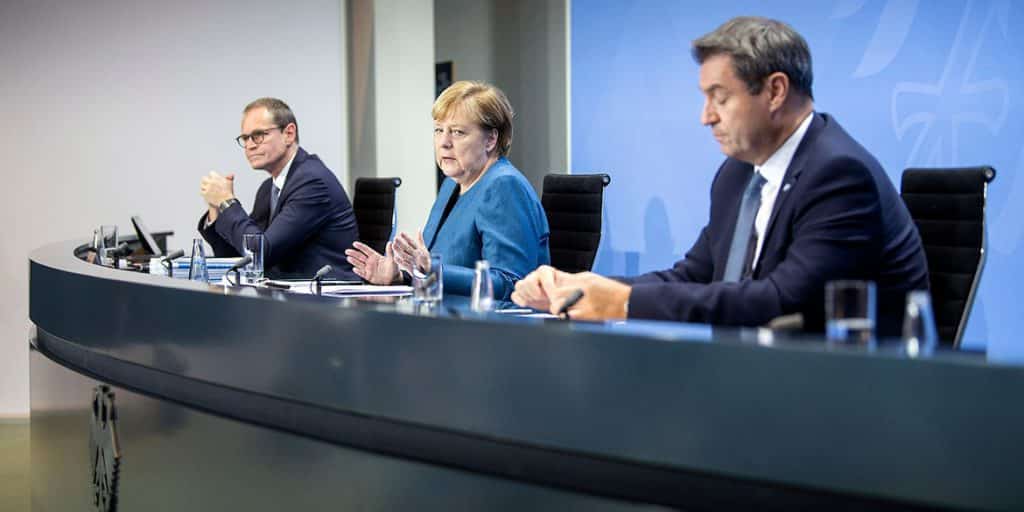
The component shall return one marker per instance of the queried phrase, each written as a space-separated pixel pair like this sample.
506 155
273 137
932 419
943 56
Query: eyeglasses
256 136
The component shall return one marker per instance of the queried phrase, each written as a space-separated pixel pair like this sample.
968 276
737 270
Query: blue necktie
741 236
274 192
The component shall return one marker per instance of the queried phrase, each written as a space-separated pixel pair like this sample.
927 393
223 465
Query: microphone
324 270
122 250
247 259
174 255
119 252
166 261
240 263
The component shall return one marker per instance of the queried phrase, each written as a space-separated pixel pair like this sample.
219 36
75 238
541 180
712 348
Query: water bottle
197 267
482 295
919 333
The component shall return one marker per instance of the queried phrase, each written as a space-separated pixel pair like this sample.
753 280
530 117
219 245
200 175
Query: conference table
152 393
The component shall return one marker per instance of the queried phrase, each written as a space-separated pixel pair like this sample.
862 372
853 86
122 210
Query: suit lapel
261 206
796 167
431 229
289 183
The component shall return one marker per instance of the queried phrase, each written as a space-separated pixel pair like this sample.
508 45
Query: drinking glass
253 245
850 311
108 244
427 285
197 267
482 293
919 333
97 248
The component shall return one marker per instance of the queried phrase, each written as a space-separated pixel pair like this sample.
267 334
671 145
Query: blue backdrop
917 83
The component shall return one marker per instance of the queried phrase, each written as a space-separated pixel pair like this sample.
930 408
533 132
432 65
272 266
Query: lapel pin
786 187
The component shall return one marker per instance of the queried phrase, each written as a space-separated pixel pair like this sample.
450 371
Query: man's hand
548 289
216 189
532 290
371 265
603 298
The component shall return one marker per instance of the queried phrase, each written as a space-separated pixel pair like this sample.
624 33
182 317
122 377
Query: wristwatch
226 204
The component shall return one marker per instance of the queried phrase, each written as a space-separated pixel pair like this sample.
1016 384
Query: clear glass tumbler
253 245
850 311
427 283
108 244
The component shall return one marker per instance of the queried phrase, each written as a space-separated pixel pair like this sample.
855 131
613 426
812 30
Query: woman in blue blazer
485 210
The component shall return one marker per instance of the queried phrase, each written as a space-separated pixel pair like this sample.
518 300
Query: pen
575 297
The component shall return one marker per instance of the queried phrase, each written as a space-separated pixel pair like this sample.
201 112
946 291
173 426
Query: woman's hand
411 254
371 265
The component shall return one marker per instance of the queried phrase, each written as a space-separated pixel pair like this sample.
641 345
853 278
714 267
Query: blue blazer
499 220
837 216
311 227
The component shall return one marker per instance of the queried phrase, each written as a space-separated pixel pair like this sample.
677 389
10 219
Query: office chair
948 206
374 205
573 204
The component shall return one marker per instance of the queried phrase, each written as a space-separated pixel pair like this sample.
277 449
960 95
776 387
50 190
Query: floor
14 474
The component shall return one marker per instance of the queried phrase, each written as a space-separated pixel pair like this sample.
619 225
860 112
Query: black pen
575 297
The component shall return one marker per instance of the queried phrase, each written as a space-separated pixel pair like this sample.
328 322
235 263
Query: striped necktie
741 235
274 192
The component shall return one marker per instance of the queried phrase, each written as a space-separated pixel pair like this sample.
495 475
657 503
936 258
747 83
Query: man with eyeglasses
302 210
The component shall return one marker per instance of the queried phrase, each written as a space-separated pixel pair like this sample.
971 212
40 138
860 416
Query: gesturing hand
411 254
371 265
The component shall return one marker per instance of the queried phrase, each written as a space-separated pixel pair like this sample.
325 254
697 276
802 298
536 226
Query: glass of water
107 244
850 311
427 283
482 294
253 245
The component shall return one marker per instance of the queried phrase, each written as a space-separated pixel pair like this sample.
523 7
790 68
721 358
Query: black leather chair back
374 206
948 206
573 204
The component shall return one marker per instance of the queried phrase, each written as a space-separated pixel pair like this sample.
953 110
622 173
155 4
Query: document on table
524 313
348 289
364 290
335 289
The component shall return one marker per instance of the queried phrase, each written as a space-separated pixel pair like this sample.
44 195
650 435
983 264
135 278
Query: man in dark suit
796 204
301 209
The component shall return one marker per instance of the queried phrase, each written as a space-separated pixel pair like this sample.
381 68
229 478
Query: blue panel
917 83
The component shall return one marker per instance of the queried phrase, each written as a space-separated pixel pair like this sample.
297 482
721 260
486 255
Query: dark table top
745 406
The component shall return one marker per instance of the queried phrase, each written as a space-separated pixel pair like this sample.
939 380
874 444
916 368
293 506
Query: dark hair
759 47
280 113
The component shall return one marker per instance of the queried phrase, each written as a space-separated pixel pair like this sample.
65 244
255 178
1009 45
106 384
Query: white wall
520 46
117 107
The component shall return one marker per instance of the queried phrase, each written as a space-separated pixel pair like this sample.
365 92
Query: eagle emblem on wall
104 450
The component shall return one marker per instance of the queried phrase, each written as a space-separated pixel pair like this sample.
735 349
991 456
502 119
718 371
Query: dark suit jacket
837 216
311 227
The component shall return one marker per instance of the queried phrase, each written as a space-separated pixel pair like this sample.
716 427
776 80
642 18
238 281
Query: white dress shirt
279 180
773 170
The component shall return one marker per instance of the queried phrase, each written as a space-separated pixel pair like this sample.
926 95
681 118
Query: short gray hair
759 47
280 113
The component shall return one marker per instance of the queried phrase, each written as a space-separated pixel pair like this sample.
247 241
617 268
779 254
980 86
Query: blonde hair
484 103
